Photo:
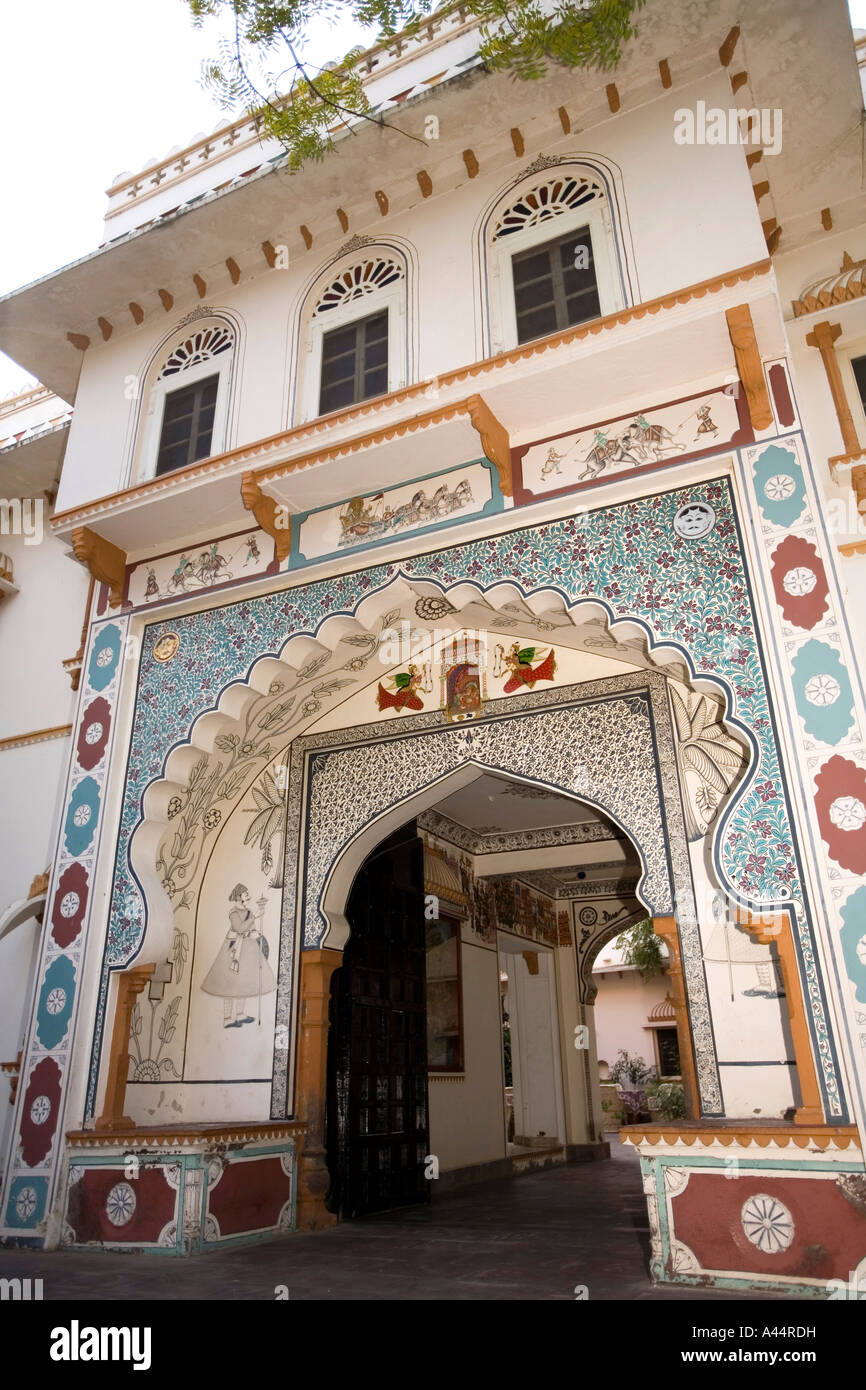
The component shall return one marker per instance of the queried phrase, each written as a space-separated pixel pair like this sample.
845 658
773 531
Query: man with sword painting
241 970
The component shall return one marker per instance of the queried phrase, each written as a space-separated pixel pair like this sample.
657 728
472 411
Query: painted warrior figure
404 694
705 425
178 579
152 586
241 971
253 552
551 463
519 662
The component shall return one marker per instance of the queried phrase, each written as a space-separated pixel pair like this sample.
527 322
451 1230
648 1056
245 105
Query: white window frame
392 297
595 216
150 429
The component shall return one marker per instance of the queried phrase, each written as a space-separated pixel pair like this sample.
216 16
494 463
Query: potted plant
632 1075
667 1099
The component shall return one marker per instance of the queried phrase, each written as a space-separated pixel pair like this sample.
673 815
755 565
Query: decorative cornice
549 837
848 283
703 1135
325 425
553 887
185 1136
35 736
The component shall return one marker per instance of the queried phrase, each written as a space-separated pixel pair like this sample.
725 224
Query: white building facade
475 529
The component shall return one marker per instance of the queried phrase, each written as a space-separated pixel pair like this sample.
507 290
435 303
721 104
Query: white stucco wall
467 1117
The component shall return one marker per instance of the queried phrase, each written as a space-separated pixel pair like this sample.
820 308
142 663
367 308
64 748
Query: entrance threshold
518 1161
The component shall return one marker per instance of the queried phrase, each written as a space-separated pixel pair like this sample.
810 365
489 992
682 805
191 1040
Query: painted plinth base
779 1207
177 1193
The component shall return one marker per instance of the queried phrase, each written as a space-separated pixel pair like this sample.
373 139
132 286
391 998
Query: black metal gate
377 1047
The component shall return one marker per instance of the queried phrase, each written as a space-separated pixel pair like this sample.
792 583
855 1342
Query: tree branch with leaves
260 66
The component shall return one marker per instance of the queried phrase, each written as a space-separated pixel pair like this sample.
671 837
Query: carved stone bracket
130 983
666 928
494 440
776 931
106 562
749 365
268 514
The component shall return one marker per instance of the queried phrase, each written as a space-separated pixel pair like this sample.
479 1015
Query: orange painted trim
743 1133
666 928
853 548
325 423
165 1136
776 931
35 736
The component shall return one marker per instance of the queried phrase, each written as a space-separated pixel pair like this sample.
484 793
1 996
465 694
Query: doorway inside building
533 1074
377 1126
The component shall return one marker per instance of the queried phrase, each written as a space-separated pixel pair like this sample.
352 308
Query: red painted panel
250 1195
151 1205
829 1233
840 800
781 395
799 581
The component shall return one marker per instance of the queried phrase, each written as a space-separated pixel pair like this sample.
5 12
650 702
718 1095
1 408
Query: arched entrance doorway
458 1045
376 1109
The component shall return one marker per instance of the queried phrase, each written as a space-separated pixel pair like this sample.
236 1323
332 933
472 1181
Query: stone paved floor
532 1237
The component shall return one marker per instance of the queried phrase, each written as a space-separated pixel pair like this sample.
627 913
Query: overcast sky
104 86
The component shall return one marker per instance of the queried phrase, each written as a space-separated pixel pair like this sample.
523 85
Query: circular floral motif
56 1001
166 647
694 520
212 819
81 815
767 1223
95 729
275 687
822 690
104 658
588 916
25 1203
70 902
40 1110
120 1204
779 487
799 581
428 609
174 807
848 813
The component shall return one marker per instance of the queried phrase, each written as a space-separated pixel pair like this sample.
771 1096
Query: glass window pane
187 425
555 285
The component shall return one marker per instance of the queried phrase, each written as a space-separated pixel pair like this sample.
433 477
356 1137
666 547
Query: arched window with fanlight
355 329
187 400
552 256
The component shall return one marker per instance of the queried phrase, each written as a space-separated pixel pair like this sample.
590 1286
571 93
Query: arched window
551 255
187 402
355 331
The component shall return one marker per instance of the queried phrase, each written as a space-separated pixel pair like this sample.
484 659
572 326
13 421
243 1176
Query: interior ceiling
493 805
